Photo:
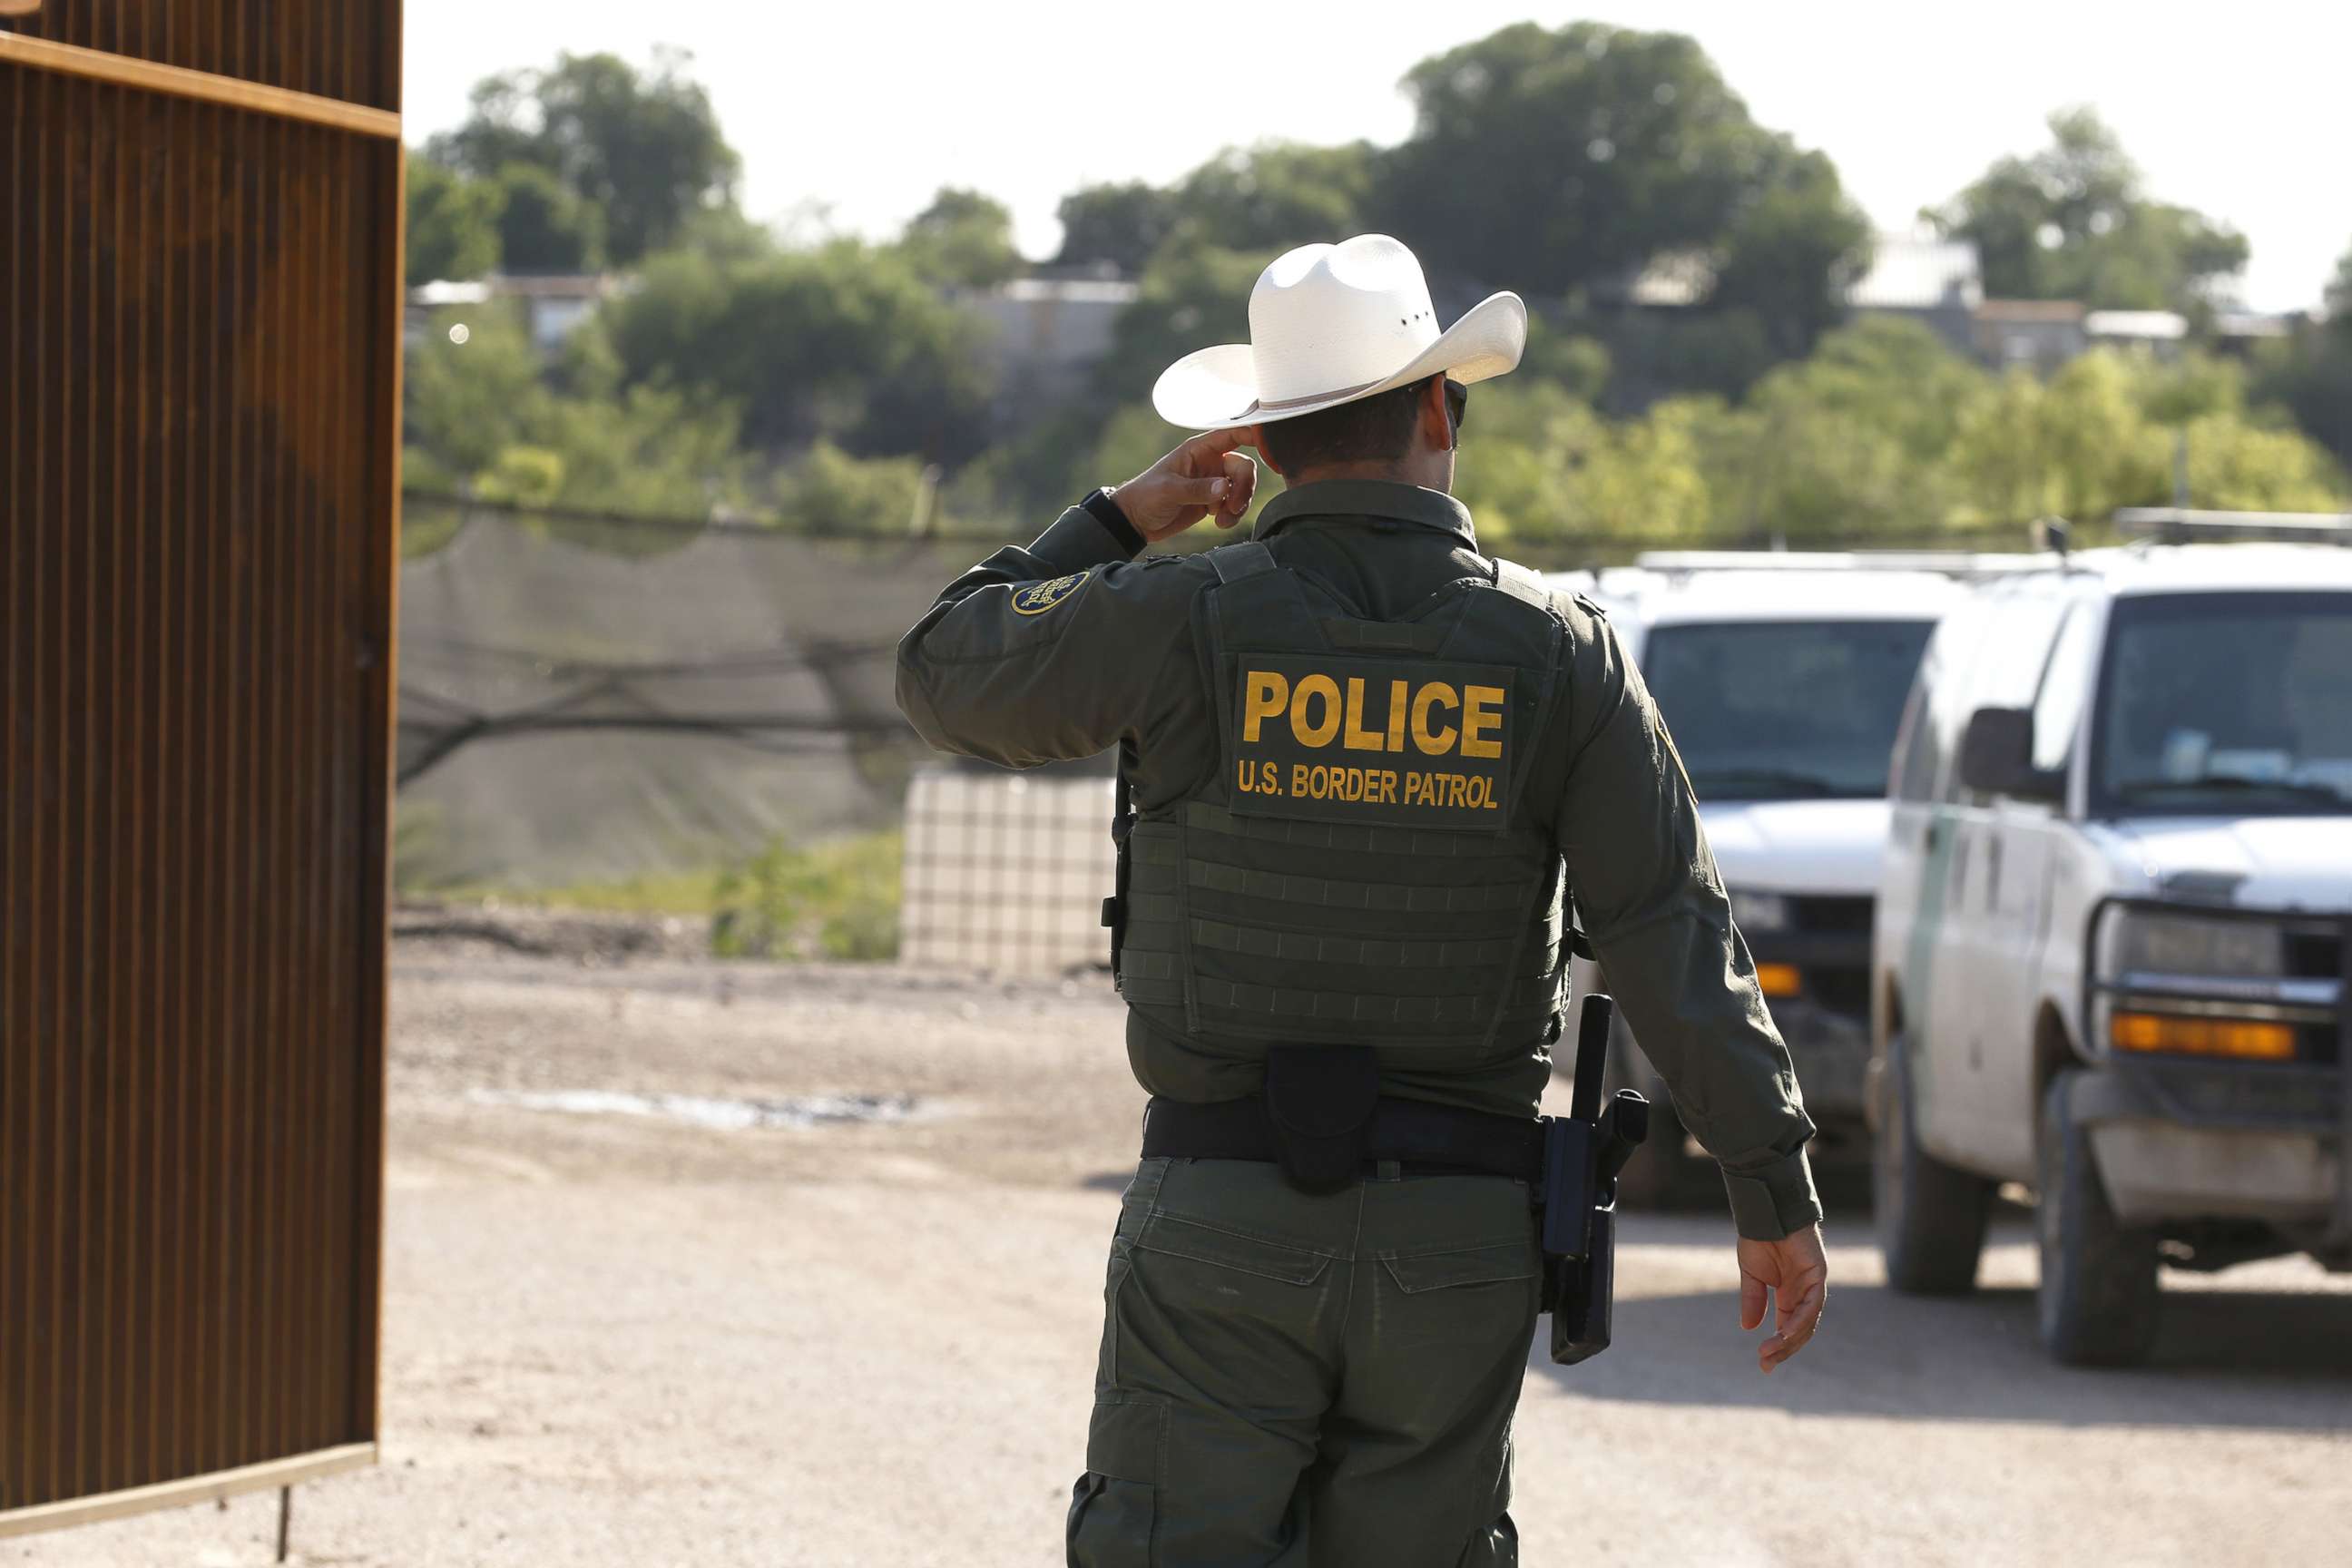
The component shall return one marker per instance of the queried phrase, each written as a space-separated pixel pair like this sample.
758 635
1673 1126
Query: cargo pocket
1115 1505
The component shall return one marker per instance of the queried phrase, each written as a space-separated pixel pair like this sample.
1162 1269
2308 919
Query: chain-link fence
587 699
1006 871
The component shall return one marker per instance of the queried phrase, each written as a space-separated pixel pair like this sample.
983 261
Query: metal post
285 1517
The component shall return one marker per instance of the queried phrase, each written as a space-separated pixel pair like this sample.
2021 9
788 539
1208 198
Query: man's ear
1256 443
1436 429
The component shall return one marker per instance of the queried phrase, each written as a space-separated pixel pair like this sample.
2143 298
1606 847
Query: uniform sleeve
1045 653
1655 907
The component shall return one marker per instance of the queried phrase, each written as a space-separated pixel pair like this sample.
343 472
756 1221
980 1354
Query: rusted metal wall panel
197 311
347 49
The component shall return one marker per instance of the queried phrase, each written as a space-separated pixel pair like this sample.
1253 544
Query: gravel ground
729 1328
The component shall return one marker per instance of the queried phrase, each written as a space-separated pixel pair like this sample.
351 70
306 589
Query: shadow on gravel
2275 1360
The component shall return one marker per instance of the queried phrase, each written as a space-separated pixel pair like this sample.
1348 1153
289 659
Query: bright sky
865 108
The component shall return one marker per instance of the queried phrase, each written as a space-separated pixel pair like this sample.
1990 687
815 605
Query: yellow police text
1436 715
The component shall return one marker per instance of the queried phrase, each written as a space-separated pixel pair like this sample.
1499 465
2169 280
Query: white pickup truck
1782 682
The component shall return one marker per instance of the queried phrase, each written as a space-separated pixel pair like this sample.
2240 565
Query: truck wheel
1659 1174
2098 1302
1930 1215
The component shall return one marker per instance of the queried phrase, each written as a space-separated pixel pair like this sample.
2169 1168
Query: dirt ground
734 1328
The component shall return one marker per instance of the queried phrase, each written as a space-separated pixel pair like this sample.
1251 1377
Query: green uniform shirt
1066 647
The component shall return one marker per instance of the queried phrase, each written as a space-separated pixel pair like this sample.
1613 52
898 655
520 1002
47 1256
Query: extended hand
1203 477
1798 1275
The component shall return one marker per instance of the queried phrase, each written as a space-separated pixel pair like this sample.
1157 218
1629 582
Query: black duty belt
1430 1138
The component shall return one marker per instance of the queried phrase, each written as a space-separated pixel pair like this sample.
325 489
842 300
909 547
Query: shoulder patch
1036 598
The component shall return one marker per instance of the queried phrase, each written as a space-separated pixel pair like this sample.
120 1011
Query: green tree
1276 195
846 342
1783 469
1118 225
1892 375
522 476
2074 222
2077 446
2176 392
1540 468
543 227
827 492
2310 374
1556 353
963 239
1192 295
1792 250
452 222
1851 441
482 418
468 401
1564 160
2236 465
644 146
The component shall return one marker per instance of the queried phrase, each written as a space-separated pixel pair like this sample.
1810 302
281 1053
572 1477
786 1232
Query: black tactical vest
1364 866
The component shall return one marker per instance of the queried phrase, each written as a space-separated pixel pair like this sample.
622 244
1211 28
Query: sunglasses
1457 404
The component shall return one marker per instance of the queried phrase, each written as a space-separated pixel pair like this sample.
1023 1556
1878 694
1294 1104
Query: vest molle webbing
1363 866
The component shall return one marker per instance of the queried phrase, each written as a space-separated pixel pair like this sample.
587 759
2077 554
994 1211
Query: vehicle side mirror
1997 756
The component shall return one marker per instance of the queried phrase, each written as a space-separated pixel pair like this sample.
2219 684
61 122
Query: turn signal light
2203 1037
1780 979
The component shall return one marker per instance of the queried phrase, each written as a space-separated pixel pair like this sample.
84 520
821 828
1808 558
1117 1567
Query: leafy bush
837 901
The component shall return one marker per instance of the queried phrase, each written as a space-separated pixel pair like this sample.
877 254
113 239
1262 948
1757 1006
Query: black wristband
1104 509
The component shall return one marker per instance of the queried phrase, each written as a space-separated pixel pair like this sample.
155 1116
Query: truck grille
2313 954
1840 990
1839 914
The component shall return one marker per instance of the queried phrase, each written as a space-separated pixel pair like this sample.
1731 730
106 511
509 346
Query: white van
2113 933
1782 680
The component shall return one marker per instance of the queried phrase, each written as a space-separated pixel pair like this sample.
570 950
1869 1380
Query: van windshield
1784 709
2231 703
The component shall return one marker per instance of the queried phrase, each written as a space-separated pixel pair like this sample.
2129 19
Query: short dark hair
1371 430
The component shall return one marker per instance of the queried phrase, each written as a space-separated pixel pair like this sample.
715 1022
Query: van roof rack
2179 525
1966 564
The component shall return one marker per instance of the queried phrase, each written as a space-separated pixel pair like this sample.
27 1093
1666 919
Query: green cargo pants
1298 1382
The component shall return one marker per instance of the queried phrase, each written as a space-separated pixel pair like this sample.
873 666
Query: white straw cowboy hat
1332 324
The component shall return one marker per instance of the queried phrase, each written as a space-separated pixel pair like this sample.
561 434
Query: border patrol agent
1371 768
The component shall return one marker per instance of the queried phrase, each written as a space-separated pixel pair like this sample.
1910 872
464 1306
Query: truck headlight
2176 983
2139 942
1759 912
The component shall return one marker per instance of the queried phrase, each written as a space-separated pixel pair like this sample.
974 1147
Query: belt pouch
1566 1185
1320 1099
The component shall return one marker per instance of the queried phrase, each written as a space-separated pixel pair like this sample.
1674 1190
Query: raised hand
1205 477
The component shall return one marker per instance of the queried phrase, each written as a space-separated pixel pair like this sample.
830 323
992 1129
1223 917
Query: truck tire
1930 1216
1660 1174
2098 1297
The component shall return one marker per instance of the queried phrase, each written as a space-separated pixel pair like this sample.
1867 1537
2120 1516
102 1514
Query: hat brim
1216 387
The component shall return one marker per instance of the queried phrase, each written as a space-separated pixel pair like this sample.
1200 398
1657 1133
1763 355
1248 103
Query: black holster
1583 1153
1580 1292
